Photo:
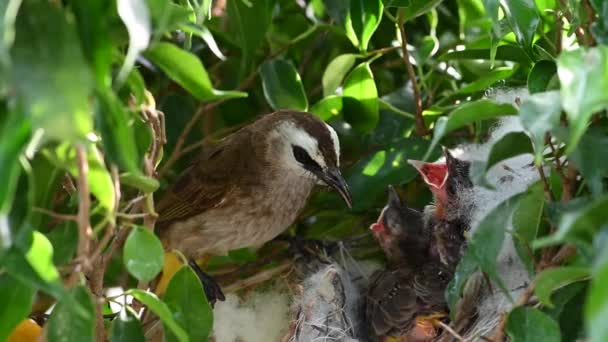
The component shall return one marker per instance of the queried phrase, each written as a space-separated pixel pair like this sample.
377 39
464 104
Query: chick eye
303 157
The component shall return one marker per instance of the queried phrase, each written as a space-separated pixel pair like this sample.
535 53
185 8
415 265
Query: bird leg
213 291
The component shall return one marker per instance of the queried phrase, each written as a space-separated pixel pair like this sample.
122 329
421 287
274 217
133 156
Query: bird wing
208 182
391 302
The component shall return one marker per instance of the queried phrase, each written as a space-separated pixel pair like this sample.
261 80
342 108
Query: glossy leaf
143 254
591 158
581 73
482 83
136 17
73 318
161 310
540 114
469 113
415 8
362 21
17 299
526 221
248 26
488 237
503 53
14 136
327 108
126 328
596 305
554 278
336 71
541 75
282 85
117 134
187 301
100 181
360 86
369 178
56 63
187 70
508 146
579 223
524 19
529 324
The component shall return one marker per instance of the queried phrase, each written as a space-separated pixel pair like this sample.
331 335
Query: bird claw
212 289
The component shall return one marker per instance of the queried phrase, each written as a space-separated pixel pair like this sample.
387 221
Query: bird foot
213 291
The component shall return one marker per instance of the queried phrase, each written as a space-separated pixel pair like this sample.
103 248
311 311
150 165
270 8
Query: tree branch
420 127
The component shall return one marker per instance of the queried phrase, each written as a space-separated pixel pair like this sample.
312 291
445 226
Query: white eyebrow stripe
336 141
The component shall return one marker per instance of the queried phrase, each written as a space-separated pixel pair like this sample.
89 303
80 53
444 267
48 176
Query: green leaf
187 301
487 80
143 254
552 279
591 158
508 146
469 113
369 177
15 134
118 138
40 257
583 73
466 267
139 181
360 86
93 18
126 328
526 220
540 114
282 85
52 82
327 108
578 224
336 71
362 21
136 17
17 300
487 241
503 53
415 8
187 70
64 239
596 305
523 17
100 181
161 310
16 264
541 75
248 25
73 318
529 324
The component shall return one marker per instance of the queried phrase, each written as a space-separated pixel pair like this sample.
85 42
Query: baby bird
403 300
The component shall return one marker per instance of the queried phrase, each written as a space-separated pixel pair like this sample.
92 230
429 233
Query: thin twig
257 278
58 216
85 232
548 194
420 127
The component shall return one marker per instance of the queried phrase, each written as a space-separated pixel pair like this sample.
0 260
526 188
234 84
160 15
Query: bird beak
334 179
434 174
393 197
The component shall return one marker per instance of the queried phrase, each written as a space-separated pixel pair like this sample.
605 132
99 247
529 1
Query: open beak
334 179
434 174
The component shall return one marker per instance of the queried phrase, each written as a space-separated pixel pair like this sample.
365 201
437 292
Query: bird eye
303 157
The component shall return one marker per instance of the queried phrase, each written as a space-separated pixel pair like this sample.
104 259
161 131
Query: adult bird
248 188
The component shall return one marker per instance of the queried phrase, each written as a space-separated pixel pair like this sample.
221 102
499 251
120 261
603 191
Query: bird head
444 178
396 220
311 147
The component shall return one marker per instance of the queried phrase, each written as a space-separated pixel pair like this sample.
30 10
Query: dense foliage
103 102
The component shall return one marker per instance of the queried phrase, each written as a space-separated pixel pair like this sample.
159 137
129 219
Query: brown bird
403 300
250 187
